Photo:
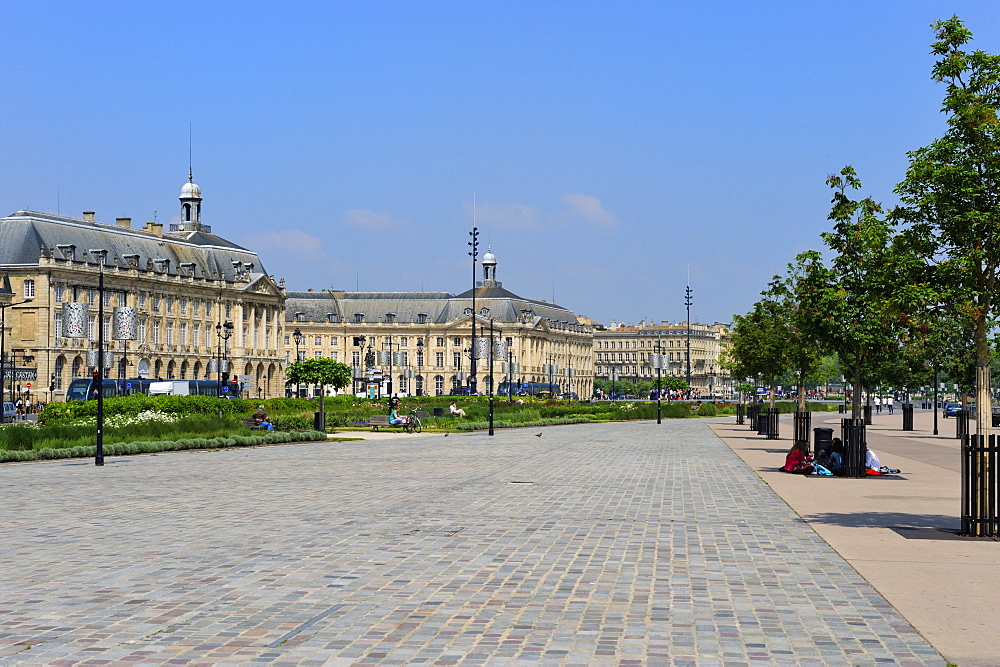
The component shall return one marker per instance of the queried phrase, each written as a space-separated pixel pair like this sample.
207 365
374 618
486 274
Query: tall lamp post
613 376
99 374
224 331
474 254
420 361
687 352
298 338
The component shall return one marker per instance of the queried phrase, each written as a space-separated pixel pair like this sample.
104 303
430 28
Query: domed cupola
190 206
490 269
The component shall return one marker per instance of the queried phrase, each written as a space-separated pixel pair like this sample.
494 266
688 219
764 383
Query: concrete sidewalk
899 533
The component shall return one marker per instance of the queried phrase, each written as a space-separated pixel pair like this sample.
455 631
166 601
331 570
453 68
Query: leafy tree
853 312
794 295
319 371
951 194
758 343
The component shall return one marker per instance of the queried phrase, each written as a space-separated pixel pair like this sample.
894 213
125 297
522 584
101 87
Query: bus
536 389
82 389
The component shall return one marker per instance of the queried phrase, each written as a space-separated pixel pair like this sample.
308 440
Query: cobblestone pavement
593 544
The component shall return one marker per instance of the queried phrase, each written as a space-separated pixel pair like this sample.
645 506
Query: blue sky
611 148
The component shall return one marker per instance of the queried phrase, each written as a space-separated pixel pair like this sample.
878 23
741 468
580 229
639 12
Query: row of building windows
611 344
634 356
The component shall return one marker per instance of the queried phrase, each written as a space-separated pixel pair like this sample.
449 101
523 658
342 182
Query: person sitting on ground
798 460
874 467
455 410
394 417
836 457
260 416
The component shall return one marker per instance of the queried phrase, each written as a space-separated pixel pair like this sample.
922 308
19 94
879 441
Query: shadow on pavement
887 520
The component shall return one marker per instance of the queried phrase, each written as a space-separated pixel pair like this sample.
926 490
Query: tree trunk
856 391
802 390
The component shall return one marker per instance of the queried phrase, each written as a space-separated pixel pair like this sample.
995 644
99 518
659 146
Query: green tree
796 302
319 371
854 314
758 343
951 194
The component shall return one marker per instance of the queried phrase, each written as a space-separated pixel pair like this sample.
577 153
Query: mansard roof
27 235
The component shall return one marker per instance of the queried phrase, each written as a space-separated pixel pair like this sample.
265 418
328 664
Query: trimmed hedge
154 446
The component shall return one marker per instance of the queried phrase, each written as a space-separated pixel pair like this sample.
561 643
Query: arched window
187 212
438 384
77 363
184 370
420 385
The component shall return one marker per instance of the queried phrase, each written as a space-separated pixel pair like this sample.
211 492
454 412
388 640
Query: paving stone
633 543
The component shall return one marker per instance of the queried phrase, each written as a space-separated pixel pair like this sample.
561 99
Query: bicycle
412 423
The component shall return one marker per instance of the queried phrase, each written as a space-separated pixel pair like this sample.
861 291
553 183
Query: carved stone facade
625 350
420 341
185 284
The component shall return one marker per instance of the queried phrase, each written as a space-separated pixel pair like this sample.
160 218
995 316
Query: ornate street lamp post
298 338
224 331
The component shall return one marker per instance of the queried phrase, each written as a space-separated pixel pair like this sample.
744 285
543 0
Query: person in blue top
394 417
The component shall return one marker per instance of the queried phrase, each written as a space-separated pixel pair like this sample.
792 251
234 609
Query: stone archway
143 369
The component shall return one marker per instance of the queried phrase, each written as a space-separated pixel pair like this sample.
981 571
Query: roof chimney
156 228
88 216
124 222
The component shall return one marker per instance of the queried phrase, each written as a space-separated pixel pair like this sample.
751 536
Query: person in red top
799 461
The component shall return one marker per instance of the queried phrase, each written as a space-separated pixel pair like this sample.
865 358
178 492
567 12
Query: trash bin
318 424
822 438
438 412
842 409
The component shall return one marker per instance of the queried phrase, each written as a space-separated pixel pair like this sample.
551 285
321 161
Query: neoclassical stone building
186 283
625 350
419 342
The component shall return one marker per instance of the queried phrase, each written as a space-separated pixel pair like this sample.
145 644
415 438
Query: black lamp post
420 357
224 331
474 254
659 369
298 337
99 373
687 353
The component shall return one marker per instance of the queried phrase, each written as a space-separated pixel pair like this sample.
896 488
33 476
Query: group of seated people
829 460
260 419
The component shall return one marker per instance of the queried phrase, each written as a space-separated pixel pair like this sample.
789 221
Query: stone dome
190 190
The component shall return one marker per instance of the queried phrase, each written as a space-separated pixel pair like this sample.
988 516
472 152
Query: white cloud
514 216
373 220
589 208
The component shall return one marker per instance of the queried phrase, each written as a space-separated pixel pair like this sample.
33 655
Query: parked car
951 409
9 412
571 395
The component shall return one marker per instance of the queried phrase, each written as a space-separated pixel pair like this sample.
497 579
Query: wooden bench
379 420
252 424
421 414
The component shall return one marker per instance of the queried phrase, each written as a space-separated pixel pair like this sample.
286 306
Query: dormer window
468 311
359 318
484 311
68 250
421 318
300 317
332 317
390 317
